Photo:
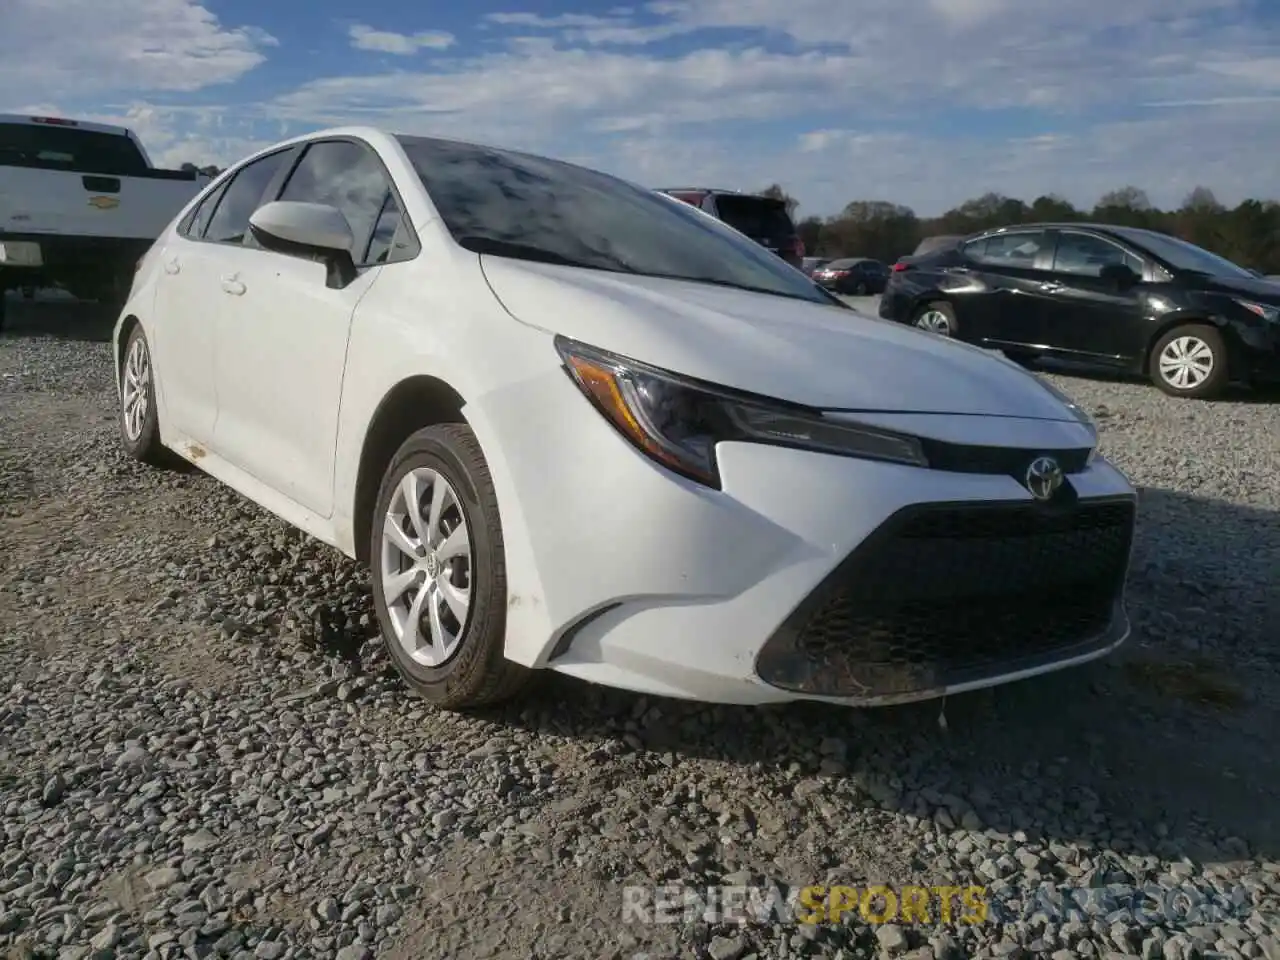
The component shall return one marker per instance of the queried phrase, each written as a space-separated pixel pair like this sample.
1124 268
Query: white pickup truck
80 203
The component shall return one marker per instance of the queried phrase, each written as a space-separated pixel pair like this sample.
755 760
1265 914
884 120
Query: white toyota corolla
572 424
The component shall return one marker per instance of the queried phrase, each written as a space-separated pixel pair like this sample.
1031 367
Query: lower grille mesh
950 594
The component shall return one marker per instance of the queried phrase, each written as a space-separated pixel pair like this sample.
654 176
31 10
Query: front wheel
1190 361
860 289
439 574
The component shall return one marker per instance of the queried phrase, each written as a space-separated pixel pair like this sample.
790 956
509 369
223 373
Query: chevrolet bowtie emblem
104 203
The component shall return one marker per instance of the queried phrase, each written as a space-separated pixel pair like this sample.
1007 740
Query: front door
1087 317
282 336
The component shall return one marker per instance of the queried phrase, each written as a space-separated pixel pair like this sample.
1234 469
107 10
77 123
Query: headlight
1263 310
678 421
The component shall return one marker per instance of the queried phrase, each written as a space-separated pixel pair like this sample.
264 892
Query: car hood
821 356
1266 291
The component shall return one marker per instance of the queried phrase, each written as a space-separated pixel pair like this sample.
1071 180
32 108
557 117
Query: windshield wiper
519 251
717 282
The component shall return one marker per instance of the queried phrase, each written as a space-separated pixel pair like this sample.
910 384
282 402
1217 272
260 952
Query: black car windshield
516 205
1185 256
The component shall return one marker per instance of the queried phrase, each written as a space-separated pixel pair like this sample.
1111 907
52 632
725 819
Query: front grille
943 595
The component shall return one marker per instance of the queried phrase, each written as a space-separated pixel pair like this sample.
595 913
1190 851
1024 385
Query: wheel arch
123 332
413 403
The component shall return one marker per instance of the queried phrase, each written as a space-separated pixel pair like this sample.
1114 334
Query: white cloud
402 44
91 47
925 102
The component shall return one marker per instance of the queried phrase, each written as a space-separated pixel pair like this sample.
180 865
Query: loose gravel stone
204 752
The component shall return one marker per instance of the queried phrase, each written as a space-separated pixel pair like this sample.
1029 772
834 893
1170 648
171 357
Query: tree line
1248 234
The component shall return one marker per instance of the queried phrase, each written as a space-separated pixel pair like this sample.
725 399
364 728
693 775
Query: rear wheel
439 574
139 424
1190 361
937 317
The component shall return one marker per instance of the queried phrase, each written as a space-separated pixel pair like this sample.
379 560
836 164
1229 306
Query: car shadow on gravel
1166 747
58 319
1263 394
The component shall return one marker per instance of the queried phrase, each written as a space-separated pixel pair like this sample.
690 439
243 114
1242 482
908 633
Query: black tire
860 289
1218 377
3 299
146 446
943 308
478 672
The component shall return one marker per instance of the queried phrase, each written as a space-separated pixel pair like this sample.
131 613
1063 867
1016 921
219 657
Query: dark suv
1097 296
764 219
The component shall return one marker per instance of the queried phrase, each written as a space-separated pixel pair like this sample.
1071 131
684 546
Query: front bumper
622 574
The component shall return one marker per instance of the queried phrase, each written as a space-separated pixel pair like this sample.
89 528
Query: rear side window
195 222
348 176
755 216
230 221
1014 249
46 147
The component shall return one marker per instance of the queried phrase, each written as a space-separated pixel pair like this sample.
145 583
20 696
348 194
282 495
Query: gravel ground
202 753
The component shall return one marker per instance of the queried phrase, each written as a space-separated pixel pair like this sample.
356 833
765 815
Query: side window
347 176
384 232
193 226
230 221
1013 249
1080 253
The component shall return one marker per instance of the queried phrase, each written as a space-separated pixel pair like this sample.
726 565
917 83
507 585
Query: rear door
1086 316
189 296
999 287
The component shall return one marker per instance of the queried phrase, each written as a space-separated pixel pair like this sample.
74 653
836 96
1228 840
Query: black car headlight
678 421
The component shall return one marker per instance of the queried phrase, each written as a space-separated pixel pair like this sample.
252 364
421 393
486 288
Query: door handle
172 266
1051 286
233 285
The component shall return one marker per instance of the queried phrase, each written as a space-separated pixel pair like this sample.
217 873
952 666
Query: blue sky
922 102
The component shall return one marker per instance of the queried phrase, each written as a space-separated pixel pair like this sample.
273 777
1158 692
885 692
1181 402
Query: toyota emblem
1044 477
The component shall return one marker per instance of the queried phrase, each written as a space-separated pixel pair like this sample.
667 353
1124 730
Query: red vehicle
764 219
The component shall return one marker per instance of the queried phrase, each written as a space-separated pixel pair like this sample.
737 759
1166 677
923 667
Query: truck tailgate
68 204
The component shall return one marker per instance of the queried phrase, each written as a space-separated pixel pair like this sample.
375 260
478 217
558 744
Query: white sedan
572 425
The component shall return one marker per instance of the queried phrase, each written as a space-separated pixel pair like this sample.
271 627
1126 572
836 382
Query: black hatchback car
1097 296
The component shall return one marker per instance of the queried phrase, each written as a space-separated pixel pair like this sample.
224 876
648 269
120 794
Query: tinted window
1013 249
48 147
198 219
512 204
347 176
755 216
230 221
1081 253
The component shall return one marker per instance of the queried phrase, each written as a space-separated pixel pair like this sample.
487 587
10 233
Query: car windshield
511 204
1185 256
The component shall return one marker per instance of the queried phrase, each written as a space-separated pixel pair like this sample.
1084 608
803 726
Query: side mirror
1120 275
314 230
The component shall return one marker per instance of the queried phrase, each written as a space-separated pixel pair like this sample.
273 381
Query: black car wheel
1190 361
937 317
860 288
